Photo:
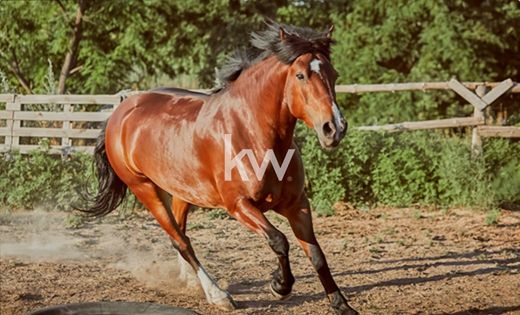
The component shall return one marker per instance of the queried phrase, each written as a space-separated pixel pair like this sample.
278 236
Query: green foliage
125 44
462 180
506 185
325 186
193 226
403 169
218 214
42 180
402 175
420 168
410 41
417 214
74 221
136 44
4 84
492 217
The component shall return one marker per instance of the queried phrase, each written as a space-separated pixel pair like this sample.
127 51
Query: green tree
409 41
104 46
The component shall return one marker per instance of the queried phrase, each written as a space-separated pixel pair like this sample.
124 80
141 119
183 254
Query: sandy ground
387 261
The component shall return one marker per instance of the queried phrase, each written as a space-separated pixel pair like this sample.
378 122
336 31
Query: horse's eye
300 76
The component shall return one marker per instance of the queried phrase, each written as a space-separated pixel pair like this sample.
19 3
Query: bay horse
168 147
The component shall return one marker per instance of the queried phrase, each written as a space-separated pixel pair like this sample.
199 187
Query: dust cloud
40 236
35 237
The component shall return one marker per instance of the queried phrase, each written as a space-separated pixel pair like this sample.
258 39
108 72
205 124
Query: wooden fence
486 93
21 109
24 115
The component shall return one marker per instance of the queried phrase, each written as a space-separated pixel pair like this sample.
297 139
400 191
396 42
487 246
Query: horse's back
179 92
161 105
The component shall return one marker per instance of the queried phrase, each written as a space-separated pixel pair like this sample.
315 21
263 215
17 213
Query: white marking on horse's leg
315 65
186 273
214 294
182 267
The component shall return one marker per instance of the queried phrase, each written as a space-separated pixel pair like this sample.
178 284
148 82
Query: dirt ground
387 261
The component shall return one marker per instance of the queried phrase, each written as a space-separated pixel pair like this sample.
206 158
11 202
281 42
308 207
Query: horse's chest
267 194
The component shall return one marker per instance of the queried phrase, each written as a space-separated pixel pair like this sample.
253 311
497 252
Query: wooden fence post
9 123
476 140
66 142
12 142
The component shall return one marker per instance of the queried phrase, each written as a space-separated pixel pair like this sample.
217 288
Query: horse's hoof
345 310
339 304
279 296
226 304
350 311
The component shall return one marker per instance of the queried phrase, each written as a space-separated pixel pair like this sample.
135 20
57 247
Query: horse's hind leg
180 210
151 196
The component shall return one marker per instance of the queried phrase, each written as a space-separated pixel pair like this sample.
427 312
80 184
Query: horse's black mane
297 41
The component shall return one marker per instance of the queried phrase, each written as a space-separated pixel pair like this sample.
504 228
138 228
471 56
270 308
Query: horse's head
310 95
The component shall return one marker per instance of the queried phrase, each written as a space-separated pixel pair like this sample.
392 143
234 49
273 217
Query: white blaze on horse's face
338 120
315 66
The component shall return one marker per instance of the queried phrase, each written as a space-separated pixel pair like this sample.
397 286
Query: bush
39 179
367 169
402 169
42 180
404 173
462 181
356 157
325 178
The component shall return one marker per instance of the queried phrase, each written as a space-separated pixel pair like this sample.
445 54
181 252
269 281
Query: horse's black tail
111 189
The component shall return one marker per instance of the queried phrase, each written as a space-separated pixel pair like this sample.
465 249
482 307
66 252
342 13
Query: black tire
113 308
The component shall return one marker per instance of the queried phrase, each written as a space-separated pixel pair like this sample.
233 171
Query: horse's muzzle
331 132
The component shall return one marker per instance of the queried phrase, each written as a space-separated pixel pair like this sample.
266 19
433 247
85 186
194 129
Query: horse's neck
261 88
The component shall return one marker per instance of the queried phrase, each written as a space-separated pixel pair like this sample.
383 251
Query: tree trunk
72 52
21 78
14 67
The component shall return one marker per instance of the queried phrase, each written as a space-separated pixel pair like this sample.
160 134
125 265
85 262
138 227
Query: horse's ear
283 33
329 32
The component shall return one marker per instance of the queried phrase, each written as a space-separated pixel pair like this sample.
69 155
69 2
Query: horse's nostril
329 129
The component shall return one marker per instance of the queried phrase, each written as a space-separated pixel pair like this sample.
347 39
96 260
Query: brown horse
175 148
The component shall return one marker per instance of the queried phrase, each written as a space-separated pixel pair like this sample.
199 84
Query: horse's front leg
254 219
300 219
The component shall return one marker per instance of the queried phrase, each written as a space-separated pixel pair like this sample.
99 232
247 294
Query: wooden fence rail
24 114
486 93
22 109
417 86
